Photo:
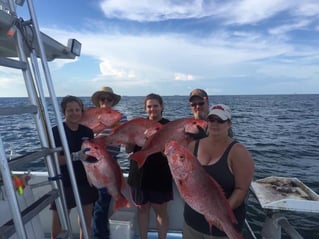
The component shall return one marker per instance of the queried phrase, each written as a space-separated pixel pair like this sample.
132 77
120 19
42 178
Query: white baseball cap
220 110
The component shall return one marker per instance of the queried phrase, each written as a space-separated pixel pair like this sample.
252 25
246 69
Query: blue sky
170 47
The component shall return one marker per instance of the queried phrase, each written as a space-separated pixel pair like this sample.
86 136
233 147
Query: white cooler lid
288 194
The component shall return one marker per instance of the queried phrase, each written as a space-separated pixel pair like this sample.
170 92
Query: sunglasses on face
108 99
216 119
201 103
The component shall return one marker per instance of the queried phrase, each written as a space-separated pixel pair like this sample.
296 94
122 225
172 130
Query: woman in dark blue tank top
229 163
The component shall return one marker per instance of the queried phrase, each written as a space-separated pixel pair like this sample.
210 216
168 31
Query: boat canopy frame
22 45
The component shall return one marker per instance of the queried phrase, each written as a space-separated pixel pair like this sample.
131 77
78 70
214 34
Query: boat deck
150 235
171 235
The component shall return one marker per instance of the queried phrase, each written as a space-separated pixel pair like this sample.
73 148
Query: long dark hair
157 97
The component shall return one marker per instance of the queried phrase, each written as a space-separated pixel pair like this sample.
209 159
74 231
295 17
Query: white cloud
107 69
253 11
183 77
153 10
289 27
307 8
233 11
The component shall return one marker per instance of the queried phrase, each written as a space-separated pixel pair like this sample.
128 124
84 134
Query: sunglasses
108 99
201 103
216 119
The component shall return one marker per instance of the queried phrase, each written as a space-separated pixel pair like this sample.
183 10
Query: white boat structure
26 215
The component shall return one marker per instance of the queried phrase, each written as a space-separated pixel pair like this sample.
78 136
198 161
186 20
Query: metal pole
11 195
59 120
45 137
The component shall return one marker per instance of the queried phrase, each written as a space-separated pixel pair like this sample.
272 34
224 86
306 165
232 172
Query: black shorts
87 194
140 196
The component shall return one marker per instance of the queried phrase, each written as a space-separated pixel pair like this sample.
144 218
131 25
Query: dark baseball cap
198 93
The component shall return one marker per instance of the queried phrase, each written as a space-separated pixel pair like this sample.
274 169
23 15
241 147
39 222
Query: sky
169 47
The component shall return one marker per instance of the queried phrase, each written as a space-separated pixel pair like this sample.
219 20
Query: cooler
122 225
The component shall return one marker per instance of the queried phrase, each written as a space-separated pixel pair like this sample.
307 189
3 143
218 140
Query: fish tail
139 157
121 202
233 234
231 231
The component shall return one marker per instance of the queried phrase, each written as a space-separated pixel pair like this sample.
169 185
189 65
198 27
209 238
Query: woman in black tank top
229 163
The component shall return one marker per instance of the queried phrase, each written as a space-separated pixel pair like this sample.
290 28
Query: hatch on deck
286 194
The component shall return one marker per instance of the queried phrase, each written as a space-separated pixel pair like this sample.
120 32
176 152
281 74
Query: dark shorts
141 197
87 194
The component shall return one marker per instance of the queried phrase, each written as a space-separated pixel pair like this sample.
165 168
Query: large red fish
134 131
199 190
181 130
99 119
104 172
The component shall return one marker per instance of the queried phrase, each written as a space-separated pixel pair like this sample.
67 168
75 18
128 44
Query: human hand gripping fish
199 190
104 172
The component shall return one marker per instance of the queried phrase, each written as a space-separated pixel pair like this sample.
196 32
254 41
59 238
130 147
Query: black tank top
155 174
221 173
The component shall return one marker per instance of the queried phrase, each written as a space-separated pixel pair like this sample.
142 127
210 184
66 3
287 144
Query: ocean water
280 131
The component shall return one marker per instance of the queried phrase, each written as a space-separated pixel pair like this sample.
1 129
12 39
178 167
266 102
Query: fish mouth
91 159
199 135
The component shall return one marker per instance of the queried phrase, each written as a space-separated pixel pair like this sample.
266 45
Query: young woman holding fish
151 185
72 108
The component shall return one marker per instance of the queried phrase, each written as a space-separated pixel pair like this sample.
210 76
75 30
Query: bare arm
242 165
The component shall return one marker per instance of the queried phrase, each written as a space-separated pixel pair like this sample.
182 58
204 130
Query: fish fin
120 202
150 132
98 128
214 223
139 157
103 140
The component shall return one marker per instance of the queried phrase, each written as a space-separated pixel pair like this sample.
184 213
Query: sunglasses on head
216 119
201 103
108 99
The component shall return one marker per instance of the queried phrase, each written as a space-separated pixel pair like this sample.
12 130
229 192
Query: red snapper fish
99 119
199 190
182 130
134 131
104 172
